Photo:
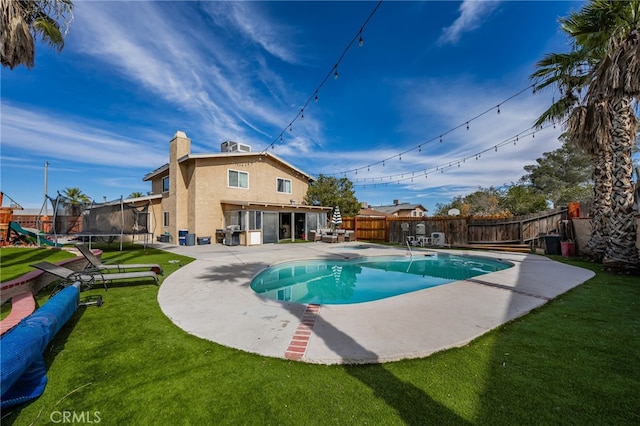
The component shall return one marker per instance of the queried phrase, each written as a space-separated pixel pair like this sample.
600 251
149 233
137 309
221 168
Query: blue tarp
23 374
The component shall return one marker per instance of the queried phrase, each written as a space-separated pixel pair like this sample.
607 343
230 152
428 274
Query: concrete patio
211 298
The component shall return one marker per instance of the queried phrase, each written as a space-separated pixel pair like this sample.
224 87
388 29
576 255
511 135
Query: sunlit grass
572 361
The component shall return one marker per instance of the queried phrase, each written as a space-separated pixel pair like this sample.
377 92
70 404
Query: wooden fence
459 231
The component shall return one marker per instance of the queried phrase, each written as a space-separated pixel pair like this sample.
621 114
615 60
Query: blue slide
32 236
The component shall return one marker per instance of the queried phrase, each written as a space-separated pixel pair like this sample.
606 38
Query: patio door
269 227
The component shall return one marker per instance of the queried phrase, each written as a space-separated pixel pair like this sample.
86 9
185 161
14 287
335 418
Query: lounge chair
97 265
87 278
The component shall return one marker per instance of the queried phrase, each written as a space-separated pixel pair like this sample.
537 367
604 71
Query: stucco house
399 209
257 195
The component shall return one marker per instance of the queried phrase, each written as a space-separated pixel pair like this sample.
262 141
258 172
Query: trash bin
191 239
182 236
552 244
204 240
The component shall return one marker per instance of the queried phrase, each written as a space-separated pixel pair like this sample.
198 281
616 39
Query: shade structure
337 218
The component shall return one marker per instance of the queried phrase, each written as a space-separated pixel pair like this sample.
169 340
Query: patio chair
87 278
97 265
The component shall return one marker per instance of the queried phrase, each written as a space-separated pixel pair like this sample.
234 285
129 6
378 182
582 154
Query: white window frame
239 172
284 180
165 179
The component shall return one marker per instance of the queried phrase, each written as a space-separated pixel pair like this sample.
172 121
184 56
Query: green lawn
573 361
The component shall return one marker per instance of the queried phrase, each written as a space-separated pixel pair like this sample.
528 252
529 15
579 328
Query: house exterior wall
198 185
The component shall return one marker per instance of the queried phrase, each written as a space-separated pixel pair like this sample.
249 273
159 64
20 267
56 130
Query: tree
606 61
136 194
614 84
76 198
483 202
330 191
562 175
21 23
523 199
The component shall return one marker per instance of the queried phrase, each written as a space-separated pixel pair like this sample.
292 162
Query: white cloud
71 140
472 13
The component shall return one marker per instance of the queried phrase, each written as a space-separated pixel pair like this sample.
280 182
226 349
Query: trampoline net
115 219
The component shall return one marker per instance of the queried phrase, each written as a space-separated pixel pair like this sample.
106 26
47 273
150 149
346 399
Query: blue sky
132 73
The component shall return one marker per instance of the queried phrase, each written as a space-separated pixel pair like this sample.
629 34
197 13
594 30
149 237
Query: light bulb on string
440 138
498 108
533 135
335 74
467 125
316 98
361 40
301 114
496 147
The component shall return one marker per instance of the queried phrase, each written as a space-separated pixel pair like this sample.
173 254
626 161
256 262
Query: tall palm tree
605 35
23 20
568 73
614 84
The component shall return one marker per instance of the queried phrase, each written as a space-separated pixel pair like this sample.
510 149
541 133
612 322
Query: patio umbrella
337 218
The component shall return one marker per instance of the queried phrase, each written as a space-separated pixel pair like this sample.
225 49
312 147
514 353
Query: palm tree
136 194
568 72
603 122
76 198
614 84
23 20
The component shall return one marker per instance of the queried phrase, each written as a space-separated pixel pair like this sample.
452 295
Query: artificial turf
572 361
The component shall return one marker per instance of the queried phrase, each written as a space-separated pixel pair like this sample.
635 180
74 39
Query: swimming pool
365 279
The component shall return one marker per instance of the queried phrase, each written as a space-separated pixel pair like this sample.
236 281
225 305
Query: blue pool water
334 282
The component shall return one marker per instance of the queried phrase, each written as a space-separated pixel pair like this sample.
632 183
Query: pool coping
211 298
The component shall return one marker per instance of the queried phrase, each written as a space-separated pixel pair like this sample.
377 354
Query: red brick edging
300 340
22 305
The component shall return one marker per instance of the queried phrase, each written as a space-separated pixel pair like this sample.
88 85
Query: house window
283 185
165 184
165 219
255 220
238 179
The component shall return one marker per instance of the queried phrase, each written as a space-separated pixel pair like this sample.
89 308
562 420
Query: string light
478 155
334 69
441 136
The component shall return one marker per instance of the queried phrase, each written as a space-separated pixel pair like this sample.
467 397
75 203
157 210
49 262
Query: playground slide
15 226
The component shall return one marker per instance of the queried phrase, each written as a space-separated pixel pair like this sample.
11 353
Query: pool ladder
409 247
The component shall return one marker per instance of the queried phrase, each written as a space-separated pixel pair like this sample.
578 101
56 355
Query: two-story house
400 209
257 193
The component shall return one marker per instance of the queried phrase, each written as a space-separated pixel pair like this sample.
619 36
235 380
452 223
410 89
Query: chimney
396 202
